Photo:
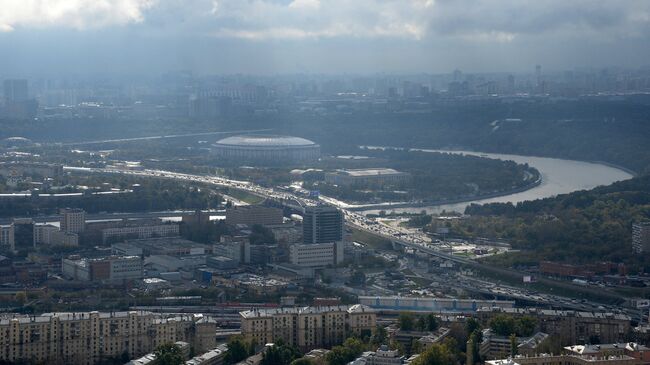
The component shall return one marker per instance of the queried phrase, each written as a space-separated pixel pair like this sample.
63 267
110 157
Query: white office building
316 254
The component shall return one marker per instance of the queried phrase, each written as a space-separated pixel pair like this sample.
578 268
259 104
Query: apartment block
308 327
570 326
87 337
73 220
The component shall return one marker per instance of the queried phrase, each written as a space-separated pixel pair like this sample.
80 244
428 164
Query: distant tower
15 91
511 83
641 237
538 75
458 75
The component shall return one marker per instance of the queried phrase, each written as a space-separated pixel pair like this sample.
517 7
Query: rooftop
370 172
267 312
265 141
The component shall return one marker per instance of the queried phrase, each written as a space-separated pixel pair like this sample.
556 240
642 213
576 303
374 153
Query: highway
115 216
135 139
415 240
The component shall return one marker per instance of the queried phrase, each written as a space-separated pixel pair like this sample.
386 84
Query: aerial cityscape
312 182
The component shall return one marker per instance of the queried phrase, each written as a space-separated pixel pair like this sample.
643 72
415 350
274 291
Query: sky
320 36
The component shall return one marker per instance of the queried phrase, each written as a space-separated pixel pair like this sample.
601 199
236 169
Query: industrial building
266 150
108 269
117 234
374 177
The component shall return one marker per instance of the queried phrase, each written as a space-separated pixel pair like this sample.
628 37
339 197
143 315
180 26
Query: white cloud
78 14
472 20
258 19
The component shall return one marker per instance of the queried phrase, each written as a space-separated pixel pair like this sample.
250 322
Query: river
558 177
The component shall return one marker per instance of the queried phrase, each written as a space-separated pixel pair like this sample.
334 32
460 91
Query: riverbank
558 176
383 206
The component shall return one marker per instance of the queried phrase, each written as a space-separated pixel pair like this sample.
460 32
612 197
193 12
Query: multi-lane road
409 238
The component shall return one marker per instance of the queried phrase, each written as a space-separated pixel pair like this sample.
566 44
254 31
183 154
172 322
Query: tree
341 355
406 321
416 346
169 354
280 354
238 350
421 324
472 325
380 335
436 354
432 322
503 325
526 326
513 345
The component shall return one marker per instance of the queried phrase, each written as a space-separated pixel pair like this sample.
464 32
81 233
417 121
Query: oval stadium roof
265 141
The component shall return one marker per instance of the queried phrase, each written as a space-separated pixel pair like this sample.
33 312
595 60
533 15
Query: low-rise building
172 246
569 326
150 358
383 356
308 327
213 357
108 269
632 349
498 347
237 248
253 214
47 234
118 234
546 359
374 177
316 254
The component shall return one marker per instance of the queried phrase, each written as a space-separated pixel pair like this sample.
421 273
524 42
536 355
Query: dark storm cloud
320 36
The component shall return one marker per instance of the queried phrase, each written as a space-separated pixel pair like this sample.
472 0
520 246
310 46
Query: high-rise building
641 237
322 224
23 233
73 220
7 237
15 91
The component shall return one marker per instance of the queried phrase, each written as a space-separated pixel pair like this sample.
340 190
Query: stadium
266 150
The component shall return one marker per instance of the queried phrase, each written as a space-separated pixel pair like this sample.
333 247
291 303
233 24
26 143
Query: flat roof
371 172
266 312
